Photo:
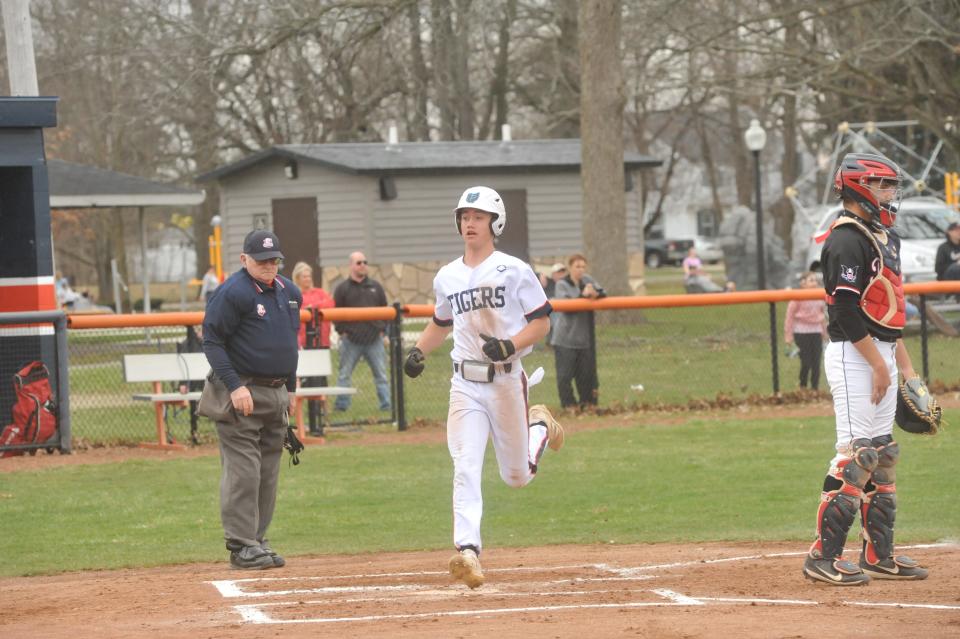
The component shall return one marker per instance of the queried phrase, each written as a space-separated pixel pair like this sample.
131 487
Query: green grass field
639 480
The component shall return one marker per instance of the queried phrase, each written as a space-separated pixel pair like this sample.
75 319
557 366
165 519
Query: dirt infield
662 590
702 590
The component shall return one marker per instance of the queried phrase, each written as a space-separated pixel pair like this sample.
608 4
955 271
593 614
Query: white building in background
395 201
171 257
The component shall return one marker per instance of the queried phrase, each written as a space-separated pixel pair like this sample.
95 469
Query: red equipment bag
34 413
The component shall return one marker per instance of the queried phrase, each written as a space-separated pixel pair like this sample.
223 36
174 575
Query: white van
921 224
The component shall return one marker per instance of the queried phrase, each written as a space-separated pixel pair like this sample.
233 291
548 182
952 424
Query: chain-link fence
34 397
697 355
677 357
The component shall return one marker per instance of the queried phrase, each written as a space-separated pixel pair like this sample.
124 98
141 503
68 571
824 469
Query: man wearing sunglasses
361 339
250 339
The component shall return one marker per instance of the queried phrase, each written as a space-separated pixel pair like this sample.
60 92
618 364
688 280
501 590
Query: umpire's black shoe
278 561
836 572
251 558
899 567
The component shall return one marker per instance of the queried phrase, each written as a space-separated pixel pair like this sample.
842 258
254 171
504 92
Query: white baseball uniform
852 260
497 298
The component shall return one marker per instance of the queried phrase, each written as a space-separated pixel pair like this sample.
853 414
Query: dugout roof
377 158
74 186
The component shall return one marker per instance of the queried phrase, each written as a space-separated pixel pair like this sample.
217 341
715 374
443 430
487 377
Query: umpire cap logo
473 197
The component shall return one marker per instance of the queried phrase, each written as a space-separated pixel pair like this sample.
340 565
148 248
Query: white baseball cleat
540 413
465 566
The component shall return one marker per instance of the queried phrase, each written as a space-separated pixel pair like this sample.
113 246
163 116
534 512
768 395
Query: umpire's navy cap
262 245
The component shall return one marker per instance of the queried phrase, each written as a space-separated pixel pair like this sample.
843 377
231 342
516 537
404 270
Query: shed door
295 223
514 240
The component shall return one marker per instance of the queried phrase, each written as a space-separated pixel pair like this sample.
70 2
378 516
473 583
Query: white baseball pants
477 412
851 383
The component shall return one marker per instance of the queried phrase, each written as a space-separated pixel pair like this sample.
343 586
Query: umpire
250 340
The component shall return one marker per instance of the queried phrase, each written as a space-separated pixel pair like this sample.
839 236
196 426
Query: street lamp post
756 138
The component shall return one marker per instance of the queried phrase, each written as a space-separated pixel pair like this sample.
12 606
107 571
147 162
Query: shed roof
75 185
377 158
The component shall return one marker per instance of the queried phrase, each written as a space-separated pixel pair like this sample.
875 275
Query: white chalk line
229 590
449 593
622 571
895 604
700 562
422 573
254 613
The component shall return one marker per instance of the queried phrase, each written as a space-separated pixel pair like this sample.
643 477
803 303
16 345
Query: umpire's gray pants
250 453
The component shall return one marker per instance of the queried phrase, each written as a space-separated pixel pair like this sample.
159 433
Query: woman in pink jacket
806 325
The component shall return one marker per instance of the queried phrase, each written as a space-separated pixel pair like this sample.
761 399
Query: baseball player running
861 263
497 310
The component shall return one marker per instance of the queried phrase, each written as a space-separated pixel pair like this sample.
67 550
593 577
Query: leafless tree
601 125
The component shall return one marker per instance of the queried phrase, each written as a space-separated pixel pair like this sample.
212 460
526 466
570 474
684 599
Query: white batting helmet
483 198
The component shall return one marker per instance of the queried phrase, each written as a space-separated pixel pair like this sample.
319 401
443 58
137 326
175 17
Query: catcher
866 309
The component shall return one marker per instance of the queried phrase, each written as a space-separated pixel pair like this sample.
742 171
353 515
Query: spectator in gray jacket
573 338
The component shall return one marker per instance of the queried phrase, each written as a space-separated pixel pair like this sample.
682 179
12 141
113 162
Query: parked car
708 249
658 251
921 224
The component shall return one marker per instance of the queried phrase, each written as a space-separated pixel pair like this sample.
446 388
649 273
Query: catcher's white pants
851 383
478 411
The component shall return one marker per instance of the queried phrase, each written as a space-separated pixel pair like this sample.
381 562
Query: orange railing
388 313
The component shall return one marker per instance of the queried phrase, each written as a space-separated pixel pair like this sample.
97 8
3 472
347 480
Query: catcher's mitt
917 410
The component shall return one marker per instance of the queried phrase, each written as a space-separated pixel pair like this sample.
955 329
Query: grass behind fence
643 482
676 354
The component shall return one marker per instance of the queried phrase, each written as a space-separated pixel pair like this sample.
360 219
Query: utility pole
21 65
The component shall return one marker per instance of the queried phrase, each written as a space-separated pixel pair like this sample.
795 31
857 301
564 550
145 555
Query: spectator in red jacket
313 297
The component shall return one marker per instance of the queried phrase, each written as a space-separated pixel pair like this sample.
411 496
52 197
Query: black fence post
396 348
923 338
595 374
63 385
315 414
774 344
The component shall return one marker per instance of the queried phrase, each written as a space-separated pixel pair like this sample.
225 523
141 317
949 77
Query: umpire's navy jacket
250 330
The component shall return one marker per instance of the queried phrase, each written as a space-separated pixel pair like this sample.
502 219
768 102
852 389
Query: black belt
505 367
272 382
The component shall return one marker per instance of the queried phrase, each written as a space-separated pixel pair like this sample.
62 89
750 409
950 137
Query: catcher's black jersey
849 262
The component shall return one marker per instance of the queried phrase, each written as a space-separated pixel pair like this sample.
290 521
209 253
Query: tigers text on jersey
497 298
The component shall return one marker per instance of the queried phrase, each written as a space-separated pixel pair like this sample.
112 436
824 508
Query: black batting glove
414 364
497 349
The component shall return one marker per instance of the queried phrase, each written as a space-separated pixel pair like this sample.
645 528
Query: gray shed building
394 202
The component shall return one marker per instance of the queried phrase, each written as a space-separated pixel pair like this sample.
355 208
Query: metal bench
157 368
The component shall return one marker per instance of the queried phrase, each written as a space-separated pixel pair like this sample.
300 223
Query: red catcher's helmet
861 176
